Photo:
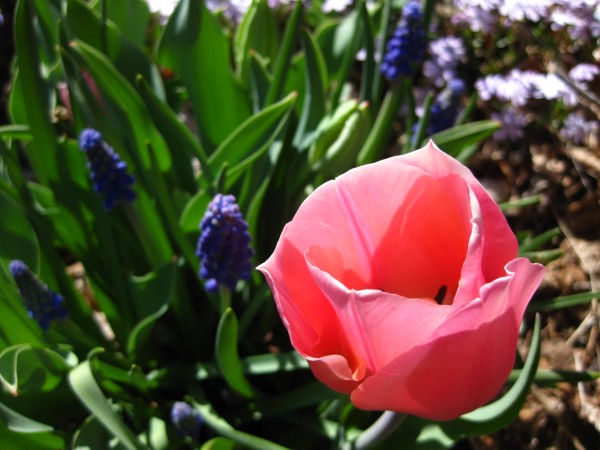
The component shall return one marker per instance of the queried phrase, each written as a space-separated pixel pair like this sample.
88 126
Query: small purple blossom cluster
186 420
224 244
444 110
406 47
520 86
580 18
576 128
42 304
108 172
445 55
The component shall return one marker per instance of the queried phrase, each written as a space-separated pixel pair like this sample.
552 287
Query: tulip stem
378 432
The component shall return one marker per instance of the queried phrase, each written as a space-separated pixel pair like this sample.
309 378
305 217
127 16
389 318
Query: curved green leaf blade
566 301
27 368
227 354
459 137
19 423
86 388
220 426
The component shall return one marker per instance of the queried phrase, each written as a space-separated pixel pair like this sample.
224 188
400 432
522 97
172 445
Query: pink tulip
399 282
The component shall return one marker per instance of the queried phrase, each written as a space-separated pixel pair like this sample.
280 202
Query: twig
588 409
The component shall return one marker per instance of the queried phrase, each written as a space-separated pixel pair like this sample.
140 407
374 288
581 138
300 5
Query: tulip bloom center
420 254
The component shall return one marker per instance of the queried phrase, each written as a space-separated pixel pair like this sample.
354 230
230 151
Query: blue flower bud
406 47
224 244
41 303
186 419
107 171
445 107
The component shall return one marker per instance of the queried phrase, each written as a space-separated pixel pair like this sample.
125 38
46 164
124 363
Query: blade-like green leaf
86 388
551 377
224 429
282 64
455 139
183 144
257 33
227 354
194 47
20 132
19 423
251 139
151 295
566 301
17 237
313 107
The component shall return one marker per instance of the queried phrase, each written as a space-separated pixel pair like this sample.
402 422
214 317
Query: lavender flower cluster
580 18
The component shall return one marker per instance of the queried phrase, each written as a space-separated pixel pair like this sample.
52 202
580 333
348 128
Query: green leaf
13 440
455 139
284 57
497 415
194 211
92 434
121 14
377 139
221 427
251 139
26 368
128 58
194 47
521 202
256 33
18 240
151 295
551 377
339 43
313 107
86 388
566 301
227 354
19 423
219 443
19 132
136 123
259 365
35 90
422 124
260 81
530 243
178 137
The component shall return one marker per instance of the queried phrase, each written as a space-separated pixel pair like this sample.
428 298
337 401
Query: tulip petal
378 325
500 245
465 362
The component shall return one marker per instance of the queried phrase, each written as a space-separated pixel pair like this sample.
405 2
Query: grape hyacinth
42 304
186 419
406 47
224 244
107 171
445 107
